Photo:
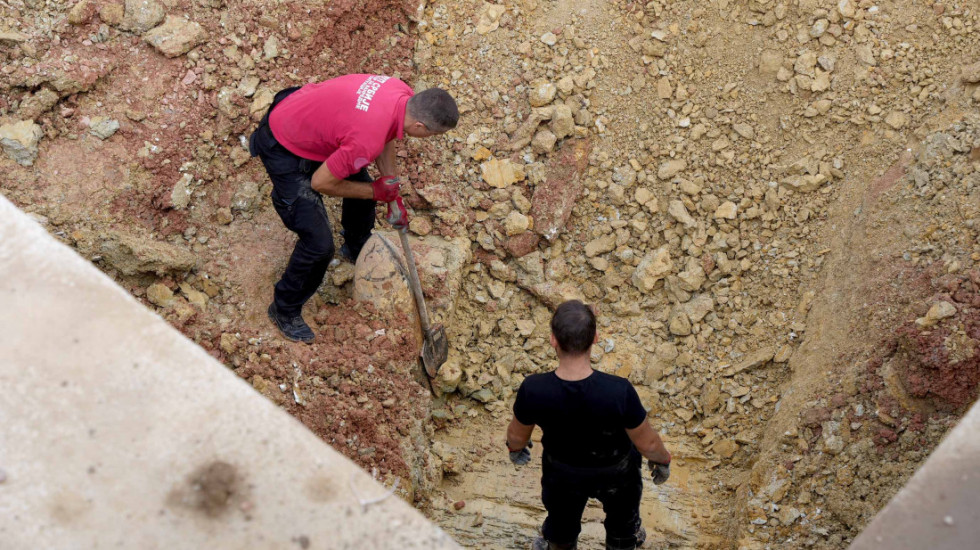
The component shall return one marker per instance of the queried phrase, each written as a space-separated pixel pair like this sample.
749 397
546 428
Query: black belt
619 467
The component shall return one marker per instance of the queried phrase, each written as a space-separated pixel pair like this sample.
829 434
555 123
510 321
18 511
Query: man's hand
522 456
661 472
385 188
397 214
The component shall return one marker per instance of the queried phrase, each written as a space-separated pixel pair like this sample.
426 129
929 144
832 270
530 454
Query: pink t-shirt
345 121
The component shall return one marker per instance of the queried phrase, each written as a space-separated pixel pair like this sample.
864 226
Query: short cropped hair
573 325
435 108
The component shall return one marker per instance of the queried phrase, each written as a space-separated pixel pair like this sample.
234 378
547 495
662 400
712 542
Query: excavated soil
775 206
356 386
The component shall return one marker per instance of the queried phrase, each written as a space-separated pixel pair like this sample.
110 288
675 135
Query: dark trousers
566 490
301 210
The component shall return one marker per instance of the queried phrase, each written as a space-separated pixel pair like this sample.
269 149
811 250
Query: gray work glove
661 472
522 456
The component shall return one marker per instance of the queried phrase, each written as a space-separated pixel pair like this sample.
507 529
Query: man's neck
575 367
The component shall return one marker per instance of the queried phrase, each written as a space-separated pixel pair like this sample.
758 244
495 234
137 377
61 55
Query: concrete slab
116 431
939 508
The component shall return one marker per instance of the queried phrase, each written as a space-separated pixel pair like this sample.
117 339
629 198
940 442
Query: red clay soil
938 368
356 384
553 200
174 107
939 365
934 368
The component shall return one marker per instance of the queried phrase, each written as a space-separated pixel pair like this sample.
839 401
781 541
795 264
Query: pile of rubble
644 159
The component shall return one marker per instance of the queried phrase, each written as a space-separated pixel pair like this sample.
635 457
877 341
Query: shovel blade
435 350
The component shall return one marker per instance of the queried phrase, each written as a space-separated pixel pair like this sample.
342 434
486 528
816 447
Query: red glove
385 188
397 214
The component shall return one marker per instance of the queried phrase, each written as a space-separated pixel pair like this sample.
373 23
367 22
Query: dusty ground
762 197
180 123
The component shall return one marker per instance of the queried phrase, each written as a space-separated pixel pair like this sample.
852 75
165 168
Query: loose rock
490 18
726 448
770 62
159 295
516 223
544 141
448 377
542 93
501 173
651 269
971 74
82 12
606 243
180 197
13 37
671 168
260 102
176 36
140 16
19 141
563 122
939 311
678 211
728 211
131 254
103 127
897 120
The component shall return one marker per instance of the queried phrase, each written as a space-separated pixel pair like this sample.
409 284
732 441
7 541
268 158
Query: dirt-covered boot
292 328
542 543
641 537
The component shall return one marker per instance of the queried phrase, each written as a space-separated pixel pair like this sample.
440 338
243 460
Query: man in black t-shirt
594 435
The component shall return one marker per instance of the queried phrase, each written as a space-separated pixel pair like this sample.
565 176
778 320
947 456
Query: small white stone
819 28
549 38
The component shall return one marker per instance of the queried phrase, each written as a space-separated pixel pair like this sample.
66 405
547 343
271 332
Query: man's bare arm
648 442
328 184
518 435
386 162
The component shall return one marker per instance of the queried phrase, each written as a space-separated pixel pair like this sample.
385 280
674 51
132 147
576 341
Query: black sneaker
346 254
343 255
292 328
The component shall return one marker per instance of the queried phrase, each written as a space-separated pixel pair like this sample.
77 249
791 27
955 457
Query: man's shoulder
539 378
612 380
537 381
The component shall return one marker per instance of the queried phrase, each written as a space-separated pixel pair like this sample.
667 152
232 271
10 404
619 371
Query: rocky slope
123 126
728 145
761 196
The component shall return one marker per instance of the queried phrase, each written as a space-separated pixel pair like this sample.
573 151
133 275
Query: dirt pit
764 199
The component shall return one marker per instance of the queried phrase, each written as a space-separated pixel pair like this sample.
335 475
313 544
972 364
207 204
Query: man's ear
595 339
554 341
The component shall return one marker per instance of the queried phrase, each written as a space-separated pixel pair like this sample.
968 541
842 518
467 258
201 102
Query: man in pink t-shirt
320 139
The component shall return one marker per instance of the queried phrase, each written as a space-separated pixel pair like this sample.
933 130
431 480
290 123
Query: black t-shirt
585 421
